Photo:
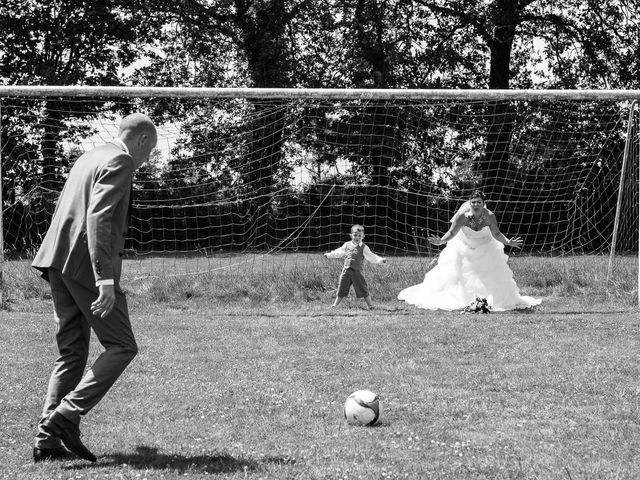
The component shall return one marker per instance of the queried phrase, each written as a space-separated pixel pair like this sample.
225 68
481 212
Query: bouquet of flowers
479 305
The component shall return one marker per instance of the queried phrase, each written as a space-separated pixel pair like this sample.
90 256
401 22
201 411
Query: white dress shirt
340 252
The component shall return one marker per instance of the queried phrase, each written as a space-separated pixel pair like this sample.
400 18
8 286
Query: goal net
242 177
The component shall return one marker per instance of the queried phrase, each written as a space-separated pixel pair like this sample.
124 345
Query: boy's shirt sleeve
339 252
370 256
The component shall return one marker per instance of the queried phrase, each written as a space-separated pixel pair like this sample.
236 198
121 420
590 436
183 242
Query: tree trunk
500 114
264 34
379 118
53 175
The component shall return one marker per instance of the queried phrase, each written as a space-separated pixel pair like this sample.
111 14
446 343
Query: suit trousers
72 391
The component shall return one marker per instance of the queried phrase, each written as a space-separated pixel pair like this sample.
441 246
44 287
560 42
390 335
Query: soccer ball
362 408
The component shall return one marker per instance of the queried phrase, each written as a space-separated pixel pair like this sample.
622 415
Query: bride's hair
477 194
466 206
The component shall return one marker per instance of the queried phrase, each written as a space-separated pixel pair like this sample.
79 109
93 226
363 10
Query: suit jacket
87 232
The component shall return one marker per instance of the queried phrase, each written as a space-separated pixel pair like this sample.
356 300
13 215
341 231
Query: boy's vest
354 257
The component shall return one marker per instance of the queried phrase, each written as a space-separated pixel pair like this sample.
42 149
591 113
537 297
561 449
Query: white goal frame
631 96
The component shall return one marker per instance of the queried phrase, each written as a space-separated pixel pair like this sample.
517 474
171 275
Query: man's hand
105 302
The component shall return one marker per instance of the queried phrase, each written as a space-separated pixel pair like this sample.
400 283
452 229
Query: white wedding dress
472 264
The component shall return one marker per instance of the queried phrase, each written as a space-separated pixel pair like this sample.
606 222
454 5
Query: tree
52 42
501 23
597 47
260 32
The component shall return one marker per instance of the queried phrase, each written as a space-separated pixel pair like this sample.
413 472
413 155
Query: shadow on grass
149 458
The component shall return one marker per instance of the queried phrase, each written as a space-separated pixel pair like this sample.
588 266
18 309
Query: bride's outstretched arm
498 235
457 225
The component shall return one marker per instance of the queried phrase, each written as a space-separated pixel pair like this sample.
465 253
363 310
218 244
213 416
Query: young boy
354 254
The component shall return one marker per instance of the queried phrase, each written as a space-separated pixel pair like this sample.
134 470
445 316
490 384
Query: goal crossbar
318 93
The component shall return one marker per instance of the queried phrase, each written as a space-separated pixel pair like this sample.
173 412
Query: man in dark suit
80 257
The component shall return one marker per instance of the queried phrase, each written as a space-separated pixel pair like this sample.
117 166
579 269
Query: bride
473 264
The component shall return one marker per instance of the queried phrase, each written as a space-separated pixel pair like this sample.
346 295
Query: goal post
245 179
629 151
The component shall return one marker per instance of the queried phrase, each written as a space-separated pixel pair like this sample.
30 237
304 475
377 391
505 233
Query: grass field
243 374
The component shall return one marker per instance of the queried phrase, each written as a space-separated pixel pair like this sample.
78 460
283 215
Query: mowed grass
237 379
578 282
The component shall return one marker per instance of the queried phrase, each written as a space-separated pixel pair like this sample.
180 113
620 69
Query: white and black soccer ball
362 407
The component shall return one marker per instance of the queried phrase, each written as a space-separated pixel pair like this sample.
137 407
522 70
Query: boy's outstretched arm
339 252
372 257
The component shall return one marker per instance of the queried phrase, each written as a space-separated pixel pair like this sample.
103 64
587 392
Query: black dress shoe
59 453
67 431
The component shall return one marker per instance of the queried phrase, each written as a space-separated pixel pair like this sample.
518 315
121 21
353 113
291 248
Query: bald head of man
139 134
